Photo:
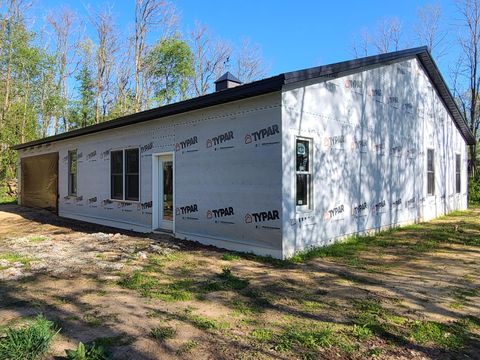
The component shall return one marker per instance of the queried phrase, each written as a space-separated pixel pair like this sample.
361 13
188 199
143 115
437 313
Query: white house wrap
275 166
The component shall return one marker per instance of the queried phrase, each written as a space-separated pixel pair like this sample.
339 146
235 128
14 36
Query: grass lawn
408 293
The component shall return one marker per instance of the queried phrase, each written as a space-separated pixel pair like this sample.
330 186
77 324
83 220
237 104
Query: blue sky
292 34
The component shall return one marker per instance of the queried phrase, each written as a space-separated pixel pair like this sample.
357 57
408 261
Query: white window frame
459 173
70 193
309 206
124 174
433 171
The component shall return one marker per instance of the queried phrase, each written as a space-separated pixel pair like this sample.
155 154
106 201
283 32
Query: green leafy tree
169 67
82 112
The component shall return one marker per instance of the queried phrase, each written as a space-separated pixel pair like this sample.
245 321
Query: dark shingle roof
276 83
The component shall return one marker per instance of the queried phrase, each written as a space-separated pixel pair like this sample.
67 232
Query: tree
21 67
388 35
468 68
83 113
169 65
149 15
428 29
61 24
104 59
361 44
209 58
249 64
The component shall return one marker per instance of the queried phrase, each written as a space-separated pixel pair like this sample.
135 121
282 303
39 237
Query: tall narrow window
72 173
430 172
131 175
303 172
458 176
116 170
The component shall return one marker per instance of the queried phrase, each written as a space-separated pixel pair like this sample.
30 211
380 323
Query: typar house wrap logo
374 92
353 84
335 212
261 134
187 209
92 156
360 145
359 210
146 147
182 145
379 207
220 213
411 203
220 139
262 216
334 142
397 204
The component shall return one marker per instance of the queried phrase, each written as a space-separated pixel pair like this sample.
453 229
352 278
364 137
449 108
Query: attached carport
39 181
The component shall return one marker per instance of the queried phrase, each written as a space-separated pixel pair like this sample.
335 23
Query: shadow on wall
370 132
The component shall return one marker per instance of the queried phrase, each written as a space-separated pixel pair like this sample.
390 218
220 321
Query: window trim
71 193
309 207
123 175
433 171
458 160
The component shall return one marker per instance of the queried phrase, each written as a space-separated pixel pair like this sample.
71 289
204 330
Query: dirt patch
412 293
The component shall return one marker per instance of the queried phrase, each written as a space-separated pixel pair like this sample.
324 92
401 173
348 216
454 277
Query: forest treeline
72 71
65 70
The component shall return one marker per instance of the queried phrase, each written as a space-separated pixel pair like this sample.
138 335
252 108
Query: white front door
164 203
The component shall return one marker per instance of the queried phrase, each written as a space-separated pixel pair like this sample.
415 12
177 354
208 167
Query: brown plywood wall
40 181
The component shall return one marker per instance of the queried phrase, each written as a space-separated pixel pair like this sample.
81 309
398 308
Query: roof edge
276 83
240 92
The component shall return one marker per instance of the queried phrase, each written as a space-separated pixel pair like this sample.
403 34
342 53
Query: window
430 172
131 175
72 173
116 170
124 172
458 177
303 170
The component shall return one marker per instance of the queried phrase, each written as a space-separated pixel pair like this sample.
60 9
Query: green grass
29 342
362 332
431 235
5 199
92 320
13 257
203 323
37 239
262 335
149 286
231 257
162 333
200 322
305 338
448 336
187 347
241 307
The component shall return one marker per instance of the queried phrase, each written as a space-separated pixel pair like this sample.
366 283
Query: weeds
187 347
87 352
162 333
29 342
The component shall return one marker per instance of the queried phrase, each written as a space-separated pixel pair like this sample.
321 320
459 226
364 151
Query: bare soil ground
403 294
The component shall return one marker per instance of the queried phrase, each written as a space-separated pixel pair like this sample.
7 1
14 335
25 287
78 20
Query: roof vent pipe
226 81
